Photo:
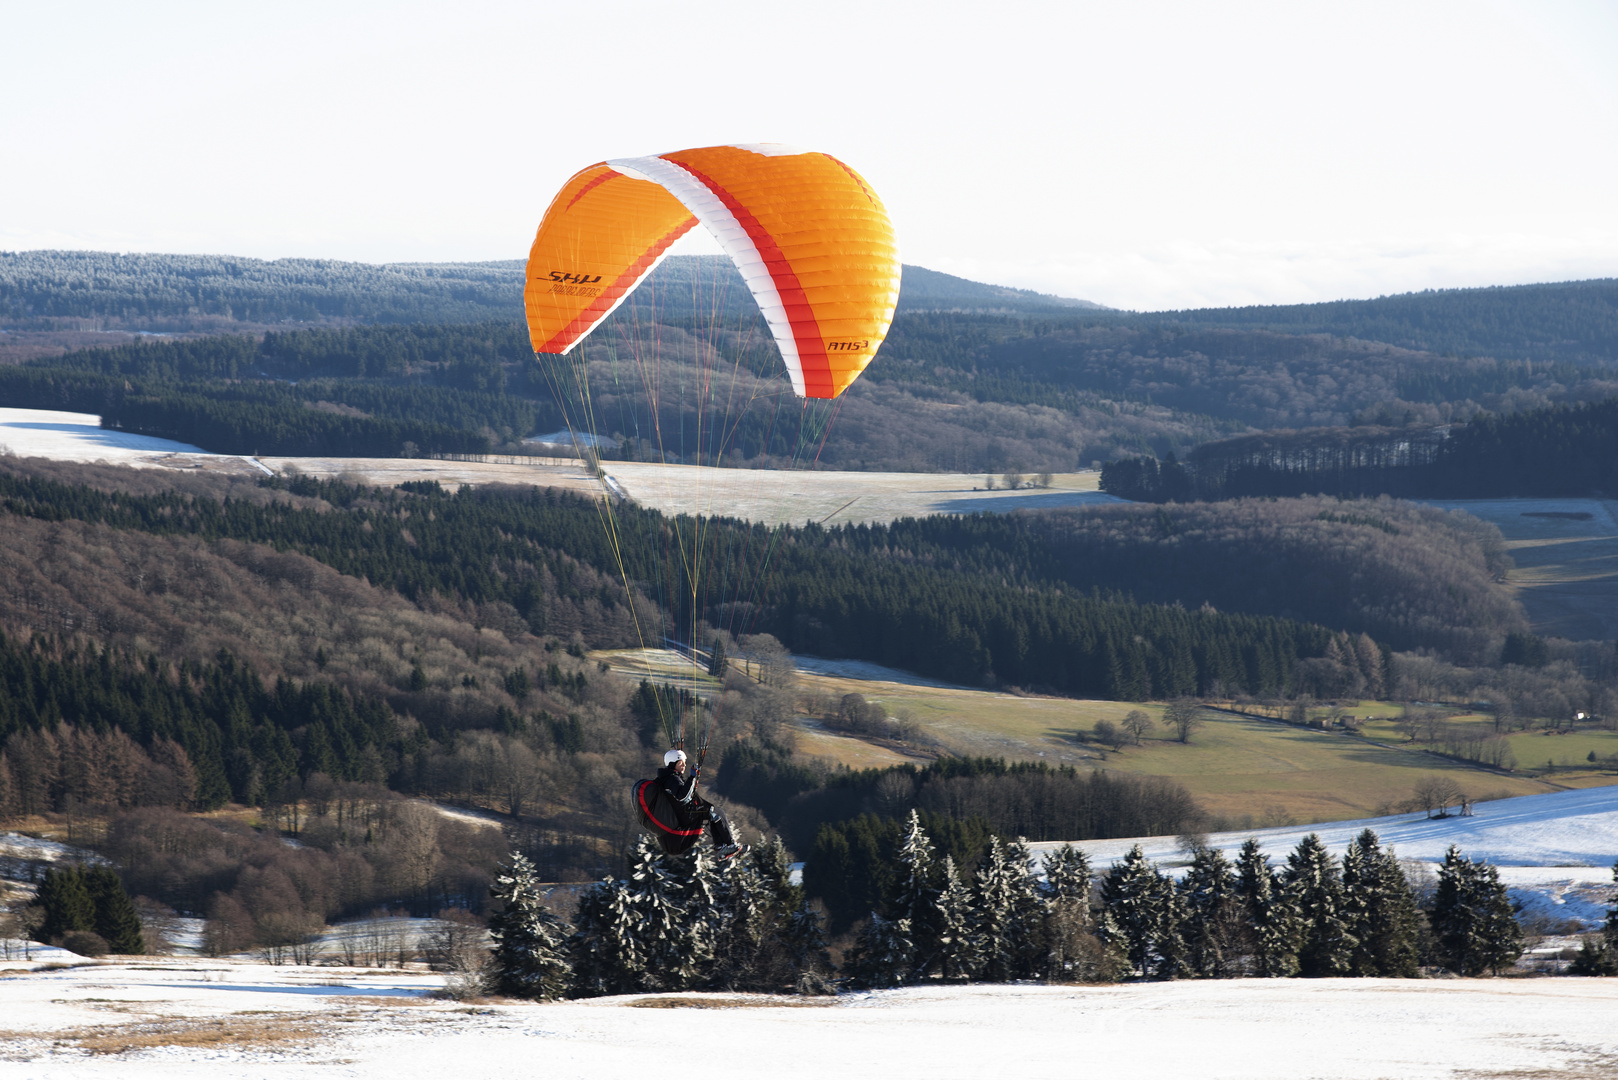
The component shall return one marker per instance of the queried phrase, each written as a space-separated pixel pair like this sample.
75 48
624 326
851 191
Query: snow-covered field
1555 852
71 436
755 494
213 1019
62 1017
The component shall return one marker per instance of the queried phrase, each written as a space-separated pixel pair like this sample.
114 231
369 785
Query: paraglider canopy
808 234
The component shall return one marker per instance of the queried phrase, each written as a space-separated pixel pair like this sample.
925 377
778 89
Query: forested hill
1563 450
951 609
42 289
950 391
1574 321
193 292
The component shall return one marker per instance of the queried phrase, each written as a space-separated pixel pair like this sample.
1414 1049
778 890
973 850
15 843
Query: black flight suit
694 809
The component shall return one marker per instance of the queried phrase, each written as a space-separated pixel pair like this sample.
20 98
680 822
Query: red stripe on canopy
805 328
587 318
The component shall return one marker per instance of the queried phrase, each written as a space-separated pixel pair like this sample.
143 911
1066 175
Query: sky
1145 156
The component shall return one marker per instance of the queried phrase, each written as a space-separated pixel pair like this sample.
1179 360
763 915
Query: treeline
374 392
682 924
1322 560
1567 450
96 731
1573 320
1237 377
68 768
470 357
1315 917
288 427
179 292
853 819
838 592
1566 320
1019 798
971 378
62 710
182 292
85 909
251 418
358 848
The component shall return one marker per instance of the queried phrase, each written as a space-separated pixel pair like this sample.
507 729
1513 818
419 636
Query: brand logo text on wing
570 284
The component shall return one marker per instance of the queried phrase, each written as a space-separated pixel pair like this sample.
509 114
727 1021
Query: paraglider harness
677 825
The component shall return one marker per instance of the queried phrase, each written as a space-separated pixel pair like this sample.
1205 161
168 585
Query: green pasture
1570 749
1248 772
1535 750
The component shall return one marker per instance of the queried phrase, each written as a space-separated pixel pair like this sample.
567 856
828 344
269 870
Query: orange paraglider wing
810 237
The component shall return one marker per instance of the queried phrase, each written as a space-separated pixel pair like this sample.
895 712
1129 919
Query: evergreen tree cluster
1570 320
1599 956
86 909
216 729
681 923
1315 916
1559 450
675 922
310 419
181 292
962 801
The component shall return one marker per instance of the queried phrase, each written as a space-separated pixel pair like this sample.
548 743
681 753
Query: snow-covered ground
18 846
71 436
173 1018
217 1020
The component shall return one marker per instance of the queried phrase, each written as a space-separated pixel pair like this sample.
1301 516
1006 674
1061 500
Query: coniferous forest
1560 450
684 923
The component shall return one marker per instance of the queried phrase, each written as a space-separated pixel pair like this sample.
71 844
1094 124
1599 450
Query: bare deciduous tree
1138 722
1184 716
1436 791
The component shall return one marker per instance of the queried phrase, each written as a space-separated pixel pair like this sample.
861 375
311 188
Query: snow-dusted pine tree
1268 914
883 954
805 941
1213 921
914 895
1027 926
1474 927
958 958
1073 951
773 864
1068 875
1609 928
676 905
1379 911
530 943
993 914
608 955
742 926
1316 892
1144 914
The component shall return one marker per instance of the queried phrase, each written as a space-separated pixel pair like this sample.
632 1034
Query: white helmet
672 756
